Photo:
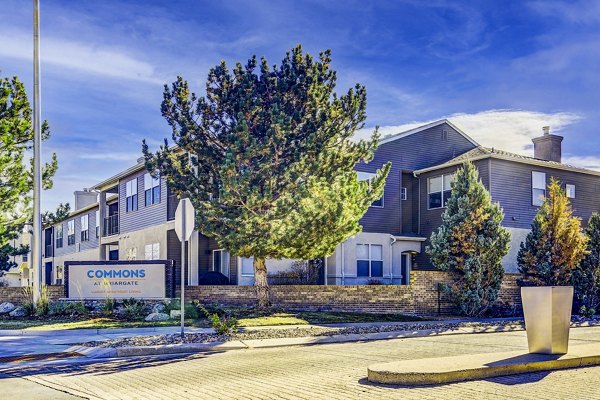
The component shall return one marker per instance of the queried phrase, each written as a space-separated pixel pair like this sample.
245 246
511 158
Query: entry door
48 273
405 268
221 262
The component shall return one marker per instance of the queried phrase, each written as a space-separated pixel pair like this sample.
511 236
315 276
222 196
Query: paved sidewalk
329 371
16 343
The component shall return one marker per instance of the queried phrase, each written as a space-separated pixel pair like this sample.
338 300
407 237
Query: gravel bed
250 334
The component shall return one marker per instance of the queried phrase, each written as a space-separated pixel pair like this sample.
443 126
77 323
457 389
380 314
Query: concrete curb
435 371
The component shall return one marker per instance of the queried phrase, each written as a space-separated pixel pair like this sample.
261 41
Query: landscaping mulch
155 340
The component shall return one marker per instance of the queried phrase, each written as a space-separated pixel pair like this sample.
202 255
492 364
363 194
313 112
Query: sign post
184 226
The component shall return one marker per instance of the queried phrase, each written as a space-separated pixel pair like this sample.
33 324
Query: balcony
111 225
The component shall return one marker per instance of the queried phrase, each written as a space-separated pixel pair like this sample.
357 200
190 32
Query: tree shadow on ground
99 366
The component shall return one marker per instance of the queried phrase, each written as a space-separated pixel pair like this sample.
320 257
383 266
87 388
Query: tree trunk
260 283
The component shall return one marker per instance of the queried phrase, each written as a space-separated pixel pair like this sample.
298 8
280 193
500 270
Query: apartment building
130 216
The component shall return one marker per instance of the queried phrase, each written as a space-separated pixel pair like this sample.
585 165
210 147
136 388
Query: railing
49 251
171 206
111 225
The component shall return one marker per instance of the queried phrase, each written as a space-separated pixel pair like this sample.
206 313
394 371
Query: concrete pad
19 388
479 366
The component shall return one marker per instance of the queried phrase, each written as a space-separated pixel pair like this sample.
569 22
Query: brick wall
421 297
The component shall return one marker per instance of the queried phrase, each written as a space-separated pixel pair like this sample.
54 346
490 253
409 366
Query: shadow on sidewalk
99 367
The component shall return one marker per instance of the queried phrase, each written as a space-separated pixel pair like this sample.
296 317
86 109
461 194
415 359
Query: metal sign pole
36 242
183 229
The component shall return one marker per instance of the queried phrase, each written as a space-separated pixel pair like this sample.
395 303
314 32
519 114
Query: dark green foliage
134 309
555 246
62 213
586 277
266 158
223 323
16 172
471 243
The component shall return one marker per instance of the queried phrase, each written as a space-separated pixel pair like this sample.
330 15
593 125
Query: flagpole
36 245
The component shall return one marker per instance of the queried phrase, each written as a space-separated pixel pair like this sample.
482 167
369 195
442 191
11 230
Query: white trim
410 238
424 127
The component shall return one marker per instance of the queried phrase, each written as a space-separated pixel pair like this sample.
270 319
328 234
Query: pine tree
586 277
16 172
267 159
62 213
471 243
556 243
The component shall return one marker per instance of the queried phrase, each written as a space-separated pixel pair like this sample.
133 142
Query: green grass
92 323
246 318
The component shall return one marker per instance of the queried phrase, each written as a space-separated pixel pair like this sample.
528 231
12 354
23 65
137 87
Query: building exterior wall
511 186
143 217
419 150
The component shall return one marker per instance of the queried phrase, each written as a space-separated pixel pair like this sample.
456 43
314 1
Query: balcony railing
111 225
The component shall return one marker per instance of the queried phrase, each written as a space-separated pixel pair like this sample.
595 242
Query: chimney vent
548 147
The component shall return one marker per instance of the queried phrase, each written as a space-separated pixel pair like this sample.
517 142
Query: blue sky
500 70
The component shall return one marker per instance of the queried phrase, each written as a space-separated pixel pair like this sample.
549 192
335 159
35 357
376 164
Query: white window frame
59 229
570 191
149 184
85 227
131 253
539 199
367 176
370 260
152 251
442 192
227 264
131 190
97 216
403 194
71 232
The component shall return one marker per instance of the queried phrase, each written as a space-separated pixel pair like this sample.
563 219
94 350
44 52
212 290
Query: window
221 262
538 185
85 228
439 190
97 223
151 190
131 253
444 134
152 251
570 189
403 194
367 176
131 195
248 266
71 232
59 236
369 260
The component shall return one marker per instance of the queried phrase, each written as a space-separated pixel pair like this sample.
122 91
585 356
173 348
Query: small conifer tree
556 243
471 243
586 277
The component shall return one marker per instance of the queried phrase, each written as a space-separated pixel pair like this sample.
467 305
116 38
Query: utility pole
36 243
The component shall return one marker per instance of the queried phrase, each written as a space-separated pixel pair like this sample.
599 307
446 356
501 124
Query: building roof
480 153
404 134
114 180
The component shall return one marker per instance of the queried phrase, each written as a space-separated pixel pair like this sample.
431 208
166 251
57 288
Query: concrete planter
547 311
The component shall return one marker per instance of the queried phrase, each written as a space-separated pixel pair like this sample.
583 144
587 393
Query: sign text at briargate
99 281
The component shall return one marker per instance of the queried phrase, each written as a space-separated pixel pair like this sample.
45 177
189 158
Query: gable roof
480 153
404 134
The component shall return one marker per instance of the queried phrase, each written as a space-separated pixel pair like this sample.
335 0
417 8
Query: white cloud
589 162
79 56
510 130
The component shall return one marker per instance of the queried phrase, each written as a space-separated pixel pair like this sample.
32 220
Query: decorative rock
175 314
18 312
6 307
158 308
157 317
